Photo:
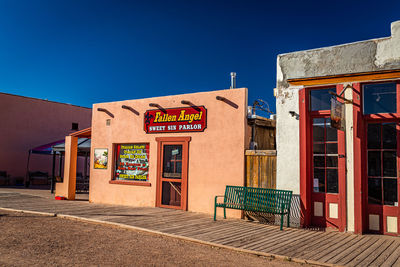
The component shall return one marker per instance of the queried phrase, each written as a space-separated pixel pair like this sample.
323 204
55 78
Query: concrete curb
50 214
130 227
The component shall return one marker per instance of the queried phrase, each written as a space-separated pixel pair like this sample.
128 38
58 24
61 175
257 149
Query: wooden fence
261 168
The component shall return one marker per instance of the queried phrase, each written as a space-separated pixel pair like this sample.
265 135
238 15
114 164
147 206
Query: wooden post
53 173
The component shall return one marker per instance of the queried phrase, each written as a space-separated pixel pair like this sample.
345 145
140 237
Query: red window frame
381 150
114 162
325 155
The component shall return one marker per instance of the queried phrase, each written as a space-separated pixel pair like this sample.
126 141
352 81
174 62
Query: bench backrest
257 199
234 196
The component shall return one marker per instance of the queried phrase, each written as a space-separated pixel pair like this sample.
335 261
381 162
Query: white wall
287 139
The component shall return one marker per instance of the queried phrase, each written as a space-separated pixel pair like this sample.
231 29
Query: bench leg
224 213
282 221
288 218
215 212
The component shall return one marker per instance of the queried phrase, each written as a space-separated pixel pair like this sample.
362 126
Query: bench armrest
217 197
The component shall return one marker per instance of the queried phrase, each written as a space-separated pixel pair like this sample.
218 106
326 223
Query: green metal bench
256 200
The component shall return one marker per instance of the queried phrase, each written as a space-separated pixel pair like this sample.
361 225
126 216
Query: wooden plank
216 232
195 229
260 152
360 250
371 253
392 259
249 239
248 170
315 246
338 249
285 239
378 261
180 222
240 235
276 235
211 230
299 244
349 250
328 247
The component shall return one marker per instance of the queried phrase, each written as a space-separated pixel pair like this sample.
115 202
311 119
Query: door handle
341 156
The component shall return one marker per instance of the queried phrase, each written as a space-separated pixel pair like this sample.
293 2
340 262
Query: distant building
349 178
29 122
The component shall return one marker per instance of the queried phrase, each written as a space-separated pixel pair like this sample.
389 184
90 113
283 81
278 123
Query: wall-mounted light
186 102
155 105
106 111
294 114
131 109
227 101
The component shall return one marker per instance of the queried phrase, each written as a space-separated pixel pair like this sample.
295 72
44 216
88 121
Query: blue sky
85 52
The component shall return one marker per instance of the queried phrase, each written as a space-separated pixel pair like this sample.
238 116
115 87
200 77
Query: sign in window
132 162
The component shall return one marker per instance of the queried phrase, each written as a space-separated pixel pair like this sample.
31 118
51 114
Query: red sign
175 120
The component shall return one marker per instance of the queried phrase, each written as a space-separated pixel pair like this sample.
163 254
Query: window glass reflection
332 181
321 99
374 135
389 164
390 191
374 163
379 98
389 136
319 180
374 191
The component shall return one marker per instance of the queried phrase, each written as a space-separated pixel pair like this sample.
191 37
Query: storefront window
321 99
382 163
132 162
325 153
379 98
172 161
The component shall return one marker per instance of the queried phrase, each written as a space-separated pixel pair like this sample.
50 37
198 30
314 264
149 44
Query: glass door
382 177
328 175
172 174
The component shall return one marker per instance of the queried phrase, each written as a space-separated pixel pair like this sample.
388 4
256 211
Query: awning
47 148
59 146
83 146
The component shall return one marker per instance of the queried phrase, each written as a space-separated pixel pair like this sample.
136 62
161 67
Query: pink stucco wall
216 156
29 122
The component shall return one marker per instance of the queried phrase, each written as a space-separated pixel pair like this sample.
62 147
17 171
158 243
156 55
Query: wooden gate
261 168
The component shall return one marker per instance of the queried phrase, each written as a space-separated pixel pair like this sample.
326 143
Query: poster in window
132 162
100 158
337 115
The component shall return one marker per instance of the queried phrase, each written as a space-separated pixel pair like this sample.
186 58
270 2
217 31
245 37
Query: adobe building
29 122
175 151
346 176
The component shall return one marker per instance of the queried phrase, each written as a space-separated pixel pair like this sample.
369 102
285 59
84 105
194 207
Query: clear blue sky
85 52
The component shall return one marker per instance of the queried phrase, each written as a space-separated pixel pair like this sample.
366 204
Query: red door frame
306 162
360 155
184 141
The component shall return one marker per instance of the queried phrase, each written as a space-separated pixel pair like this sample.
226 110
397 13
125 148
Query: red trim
129 183
184 141
342 175
359 152
306 149
305 187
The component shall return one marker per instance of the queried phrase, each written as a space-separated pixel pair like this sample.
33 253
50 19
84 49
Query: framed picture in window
100 158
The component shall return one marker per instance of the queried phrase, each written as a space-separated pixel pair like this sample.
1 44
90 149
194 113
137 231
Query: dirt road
28 239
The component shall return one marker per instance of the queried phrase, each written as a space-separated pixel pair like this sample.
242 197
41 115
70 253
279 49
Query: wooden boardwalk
324 247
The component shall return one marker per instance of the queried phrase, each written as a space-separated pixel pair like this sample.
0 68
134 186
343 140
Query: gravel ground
29 239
